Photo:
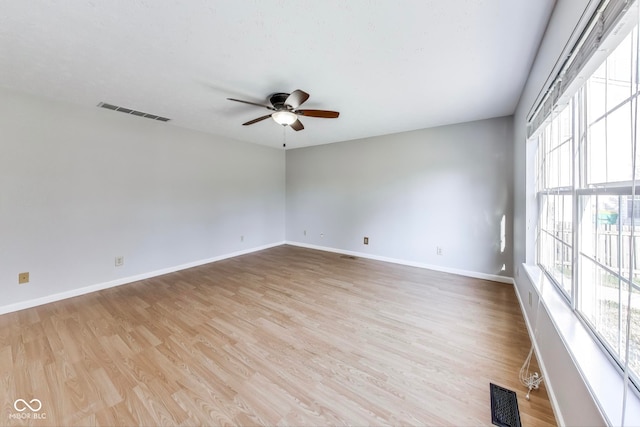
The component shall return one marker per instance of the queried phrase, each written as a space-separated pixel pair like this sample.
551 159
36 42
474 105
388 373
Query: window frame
579 189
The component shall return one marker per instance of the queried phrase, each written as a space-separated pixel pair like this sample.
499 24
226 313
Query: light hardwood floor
286 336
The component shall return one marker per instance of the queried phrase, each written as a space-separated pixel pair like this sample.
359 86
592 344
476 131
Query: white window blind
606 20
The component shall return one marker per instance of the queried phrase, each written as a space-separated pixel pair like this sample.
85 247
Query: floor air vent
132 112
504 407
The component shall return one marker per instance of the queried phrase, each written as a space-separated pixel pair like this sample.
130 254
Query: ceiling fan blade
259 119
296 98
251 103
318 113
297 125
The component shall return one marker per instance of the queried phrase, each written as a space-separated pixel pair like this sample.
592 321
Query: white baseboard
552 397
123 281
474 274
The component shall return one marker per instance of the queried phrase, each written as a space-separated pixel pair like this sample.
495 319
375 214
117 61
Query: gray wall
568 390
80 186
409 193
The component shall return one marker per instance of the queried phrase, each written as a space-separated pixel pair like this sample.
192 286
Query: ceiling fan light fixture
284 117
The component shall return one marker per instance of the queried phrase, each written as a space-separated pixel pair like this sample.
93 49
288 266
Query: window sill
604 381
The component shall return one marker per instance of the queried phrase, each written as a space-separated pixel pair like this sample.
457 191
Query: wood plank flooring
285 336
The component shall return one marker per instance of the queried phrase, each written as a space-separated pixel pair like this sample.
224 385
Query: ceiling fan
285 109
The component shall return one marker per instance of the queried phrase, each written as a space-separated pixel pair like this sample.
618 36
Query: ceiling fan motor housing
278 100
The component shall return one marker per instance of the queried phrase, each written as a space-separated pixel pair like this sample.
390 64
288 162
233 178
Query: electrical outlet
242 238
119 261
438 250
304 232
321 235
530 299
23 278
366 240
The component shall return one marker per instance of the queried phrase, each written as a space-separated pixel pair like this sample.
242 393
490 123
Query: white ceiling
387 66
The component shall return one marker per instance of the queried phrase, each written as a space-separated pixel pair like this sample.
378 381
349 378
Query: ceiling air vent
132 112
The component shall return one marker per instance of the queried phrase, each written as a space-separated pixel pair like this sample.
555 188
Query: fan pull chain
284 136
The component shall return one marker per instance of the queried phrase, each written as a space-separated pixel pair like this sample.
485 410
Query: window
589 215
556 199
